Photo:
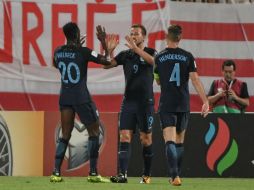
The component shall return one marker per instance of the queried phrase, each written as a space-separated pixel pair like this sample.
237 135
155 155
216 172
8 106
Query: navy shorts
135 114
87 112
178 119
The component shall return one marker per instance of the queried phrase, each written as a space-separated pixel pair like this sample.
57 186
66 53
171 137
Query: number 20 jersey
173 66
72 63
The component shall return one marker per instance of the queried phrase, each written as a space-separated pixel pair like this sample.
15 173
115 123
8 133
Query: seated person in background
228 95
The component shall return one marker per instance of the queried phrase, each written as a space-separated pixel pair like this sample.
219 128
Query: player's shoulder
85 49
87 52
161 53
59 48
150 51
183 51
127 52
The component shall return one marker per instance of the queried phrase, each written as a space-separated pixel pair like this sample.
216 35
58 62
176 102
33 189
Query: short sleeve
244 91
211 91
55 63
151 51
90 55
192 64
120 58
155 70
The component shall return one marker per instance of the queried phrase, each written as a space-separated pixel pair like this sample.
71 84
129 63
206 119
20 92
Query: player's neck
173 44
71 43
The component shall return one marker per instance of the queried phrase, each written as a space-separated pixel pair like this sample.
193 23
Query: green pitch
80 183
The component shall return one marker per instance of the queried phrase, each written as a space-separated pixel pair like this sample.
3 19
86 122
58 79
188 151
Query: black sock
60 152
93 149
172 158
124 154
147 156
179 151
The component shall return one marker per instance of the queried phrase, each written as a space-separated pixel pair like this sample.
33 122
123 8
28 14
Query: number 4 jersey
173 66
72 63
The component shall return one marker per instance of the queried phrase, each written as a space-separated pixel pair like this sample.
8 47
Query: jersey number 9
135 68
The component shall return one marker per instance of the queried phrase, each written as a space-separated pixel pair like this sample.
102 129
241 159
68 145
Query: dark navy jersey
72 63
173 66
138 75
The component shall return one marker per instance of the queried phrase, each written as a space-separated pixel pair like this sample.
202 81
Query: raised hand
112 42
82 40
101 33
130 43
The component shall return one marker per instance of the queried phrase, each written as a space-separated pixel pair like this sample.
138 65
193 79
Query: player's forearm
148 58
200 90
104 46
111 65
103 60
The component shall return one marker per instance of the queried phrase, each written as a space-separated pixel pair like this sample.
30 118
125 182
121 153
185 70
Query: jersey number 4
67 70
175 75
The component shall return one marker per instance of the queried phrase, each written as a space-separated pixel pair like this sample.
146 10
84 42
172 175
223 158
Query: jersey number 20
67 70
175 75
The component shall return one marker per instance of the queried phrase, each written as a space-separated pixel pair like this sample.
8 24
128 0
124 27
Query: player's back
173 66
72 64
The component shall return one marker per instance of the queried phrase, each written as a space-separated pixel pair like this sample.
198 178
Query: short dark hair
175 33
71 31
143 29
228 63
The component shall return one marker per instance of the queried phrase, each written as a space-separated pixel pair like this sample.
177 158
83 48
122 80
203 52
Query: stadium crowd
219 1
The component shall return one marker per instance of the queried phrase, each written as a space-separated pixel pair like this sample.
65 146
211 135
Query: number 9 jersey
72 63
173 66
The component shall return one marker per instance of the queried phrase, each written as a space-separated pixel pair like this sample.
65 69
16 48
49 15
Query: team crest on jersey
195 64
142 60
94 53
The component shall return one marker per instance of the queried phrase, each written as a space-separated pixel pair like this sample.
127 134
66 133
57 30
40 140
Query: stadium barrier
217 146
220 145
28 142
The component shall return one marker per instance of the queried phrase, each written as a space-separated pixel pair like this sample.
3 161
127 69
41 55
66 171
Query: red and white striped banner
30 31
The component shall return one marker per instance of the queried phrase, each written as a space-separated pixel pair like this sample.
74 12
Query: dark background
194 165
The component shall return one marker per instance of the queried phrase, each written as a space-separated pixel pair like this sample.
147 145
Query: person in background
228 95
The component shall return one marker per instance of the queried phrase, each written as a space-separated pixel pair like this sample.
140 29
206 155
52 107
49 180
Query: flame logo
222 152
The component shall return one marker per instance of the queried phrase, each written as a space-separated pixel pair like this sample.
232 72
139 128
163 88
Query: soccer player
138 101
72 59
173 68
